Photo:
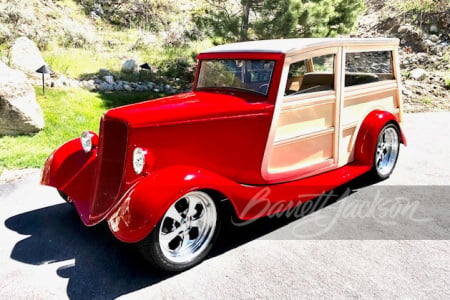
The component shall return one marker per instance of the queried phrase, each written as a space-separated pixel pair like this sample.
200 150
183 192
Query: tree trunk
245 19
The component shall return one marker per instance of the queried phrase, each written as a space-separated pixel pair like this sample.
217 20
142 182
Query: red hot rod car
300 116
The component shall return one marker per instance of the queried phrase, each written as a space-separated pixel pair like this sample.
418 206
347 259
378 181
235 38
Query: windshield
250 75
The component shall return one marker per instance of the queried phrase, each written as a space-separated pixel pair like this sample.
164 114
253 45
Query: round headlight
139 160
86 141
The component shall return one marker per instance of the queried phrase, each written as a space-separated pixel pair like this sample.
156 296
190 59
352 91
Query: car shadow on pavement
105 267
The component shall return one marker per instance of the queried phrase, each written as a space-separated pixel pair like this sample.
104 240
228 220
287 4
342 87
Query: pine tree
229 21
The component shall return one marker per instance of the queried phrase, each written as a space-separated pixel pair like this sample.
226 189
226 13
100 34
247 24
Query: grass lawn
67 113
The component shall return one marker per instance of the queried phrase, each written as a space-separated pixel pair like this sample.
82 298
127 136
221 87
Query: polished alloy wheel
387 151
187 227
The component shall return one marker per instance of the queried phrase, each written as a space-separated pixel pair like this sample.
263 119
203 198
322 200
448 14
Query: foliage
421 6
67 113
427 101
133 13
165 60
74 62
76 35
229 21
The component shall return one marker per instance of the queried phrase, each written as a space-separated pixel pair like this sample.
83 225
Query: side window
367 67
311 75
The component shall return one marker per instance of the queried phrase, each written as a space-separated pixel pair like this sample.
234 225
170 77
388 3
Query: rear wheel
185 234
386 152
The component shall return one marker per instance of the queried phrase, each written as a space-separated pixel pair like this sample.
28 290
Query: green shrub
447 83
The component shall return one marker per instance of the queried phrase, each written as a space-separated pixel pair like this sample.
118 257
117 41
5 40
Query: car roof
288 46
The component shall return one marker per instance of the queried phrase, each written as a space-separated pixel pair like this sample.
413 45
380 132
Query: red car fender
65 162
145 203
368 135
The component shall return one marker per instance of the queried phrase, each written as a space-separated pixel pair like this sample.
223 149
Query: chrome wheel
387 151
187 228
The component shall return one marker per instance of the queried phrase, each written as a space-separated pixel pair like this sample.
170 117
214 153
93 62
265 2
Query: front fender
368 135
64 163
141 208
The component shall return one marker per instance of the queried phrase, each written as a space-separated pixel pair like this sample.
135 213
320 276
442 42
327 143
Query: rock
429 44
118 86
434 38
140 88
404 29
88 84
19 111
127 88
434 28
129 66
109 79
25 56
422 57
105 87
418 74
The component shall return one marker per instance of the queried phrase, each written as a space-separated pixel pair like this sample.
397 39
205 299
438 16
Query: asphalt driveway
390 240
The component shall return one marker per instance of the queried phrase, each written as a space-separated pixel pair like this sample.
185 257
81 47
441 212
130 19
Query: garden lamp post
44 70
144 66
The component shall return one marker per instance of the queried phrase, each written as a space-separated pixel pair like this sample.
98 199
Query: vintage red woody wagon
294 117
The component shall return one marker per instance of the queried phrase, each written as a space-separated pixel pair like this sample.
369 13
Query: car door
303 137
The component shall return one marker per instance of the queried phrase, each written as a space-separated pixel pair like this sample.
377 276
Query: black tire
159 253
386 153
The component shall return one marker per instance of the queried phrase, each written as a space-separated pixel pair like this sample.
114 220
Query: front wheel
184 235
386 152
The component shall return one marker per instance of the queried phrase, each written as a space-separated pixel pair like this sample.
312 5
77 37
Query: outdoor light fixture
144 66
44 70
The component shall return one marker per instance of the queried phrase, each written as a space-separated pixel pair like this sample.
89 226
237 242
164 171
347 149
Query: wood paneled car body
268 125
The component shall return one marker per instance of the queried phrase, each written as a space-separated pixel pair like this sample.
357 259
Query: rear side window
367 67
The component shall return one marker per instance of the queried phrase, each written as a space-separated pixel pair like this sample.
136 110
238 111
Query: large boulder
25 56
19 111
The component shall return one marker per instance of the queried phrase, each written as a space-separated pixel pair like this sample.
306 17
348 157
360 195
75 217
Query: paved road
347 247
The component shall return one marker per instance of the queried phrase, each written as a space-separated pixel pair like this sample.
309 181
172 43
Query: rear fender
368 135
145 203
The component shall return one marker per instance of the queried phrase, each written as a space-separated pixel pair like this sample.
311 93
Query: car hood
185 107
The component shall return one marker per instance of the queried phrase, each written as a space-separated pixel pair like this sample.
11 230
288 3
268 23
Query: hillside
78 41
424 48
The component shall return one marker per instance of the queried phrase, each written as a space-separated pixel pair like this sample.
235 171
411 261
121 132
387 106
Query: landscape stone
118 86
418 74
19 111
129 66
127 87
25 56
105 87
434 28
88 84
109 79
434 38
